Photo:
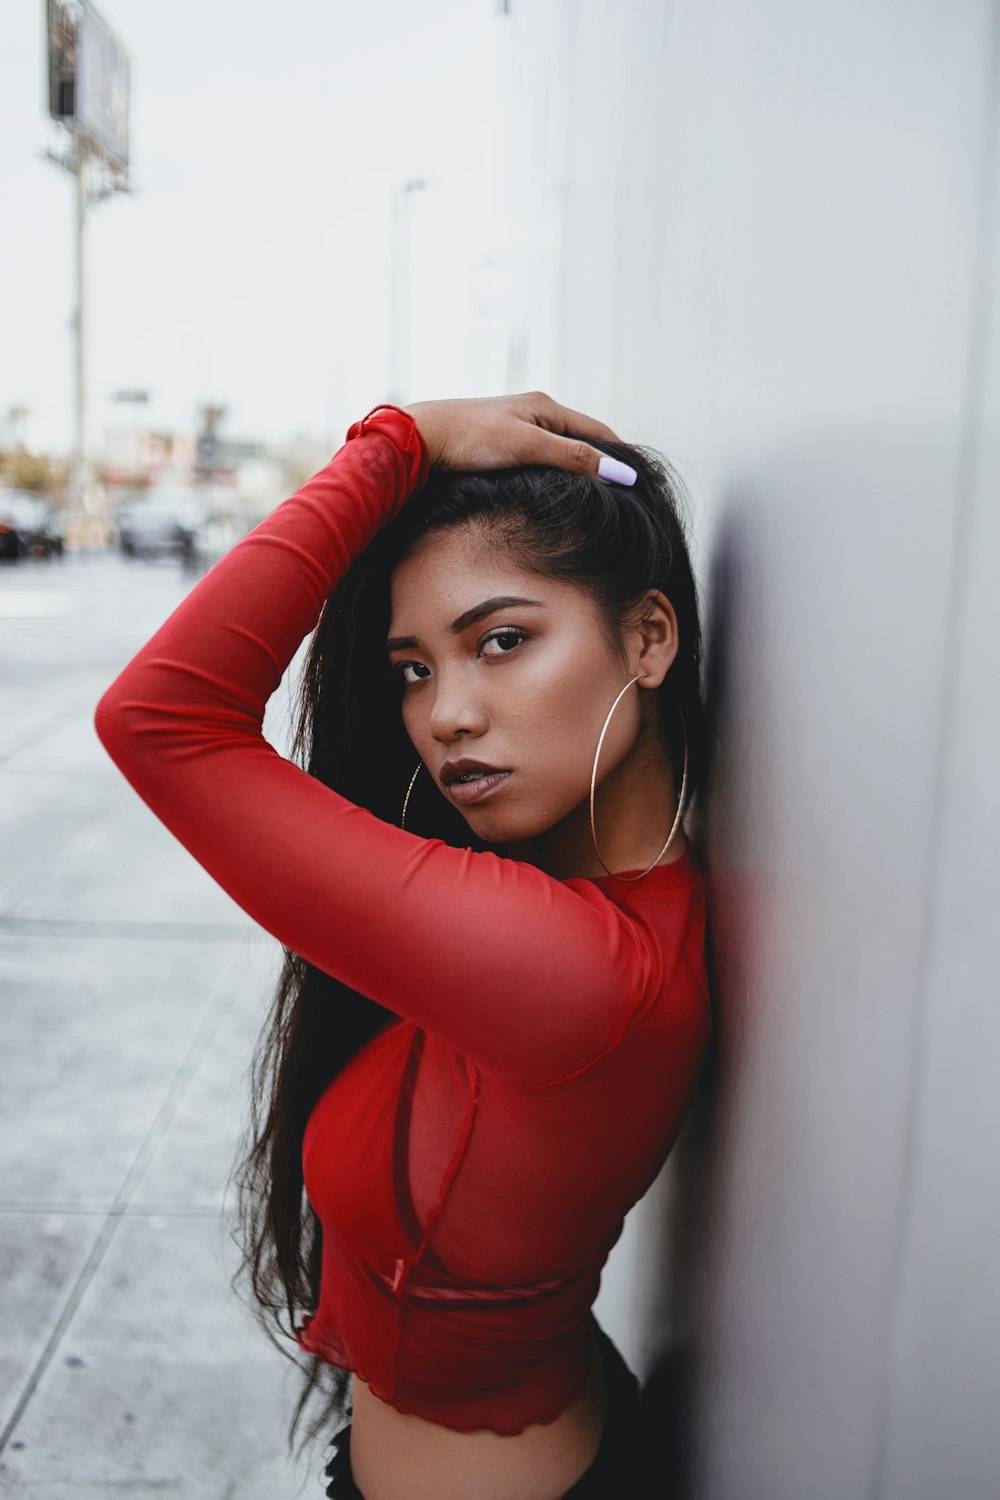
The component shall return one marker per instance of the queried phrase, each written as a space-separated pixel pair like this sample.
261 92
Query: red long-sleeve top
473 1164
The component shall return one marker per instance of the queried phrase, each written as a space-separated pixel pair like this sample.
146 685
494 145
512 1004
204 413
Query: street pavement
131 992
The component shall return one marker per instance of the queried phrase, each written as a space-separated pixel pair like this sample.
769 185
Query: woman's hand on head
504 432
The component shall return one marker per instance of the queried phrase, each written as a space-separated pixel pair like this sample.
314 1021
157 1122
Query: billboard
89 78
62 60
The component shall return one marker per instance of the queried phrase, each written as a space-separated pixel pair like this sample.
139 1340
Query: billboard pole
80 496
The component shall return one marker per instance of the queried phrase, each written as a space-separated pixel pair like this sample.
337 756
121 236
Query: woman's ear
654 639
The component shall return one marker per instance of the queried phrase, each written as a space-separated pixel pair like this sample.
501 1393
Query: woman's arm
529 976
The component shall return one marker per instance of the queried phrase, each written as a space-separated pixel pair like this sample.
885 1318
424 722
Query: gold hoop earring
409 789
593 785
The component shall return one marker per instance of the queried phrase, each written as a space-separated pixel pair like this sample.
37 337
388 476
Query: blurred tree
31 471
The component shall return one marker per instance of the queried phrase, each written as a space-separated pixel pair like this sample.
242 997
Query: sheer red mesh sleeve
531 977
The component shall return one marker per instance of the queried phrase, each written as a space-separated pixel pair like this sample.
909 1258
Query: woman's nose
457 707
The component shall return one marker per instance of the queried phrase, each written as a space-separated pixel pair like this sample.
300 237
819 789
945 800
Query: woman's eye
401 669
505 639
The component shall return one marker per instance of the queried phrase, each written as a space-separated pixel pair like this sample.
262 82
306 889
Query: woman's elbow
112 726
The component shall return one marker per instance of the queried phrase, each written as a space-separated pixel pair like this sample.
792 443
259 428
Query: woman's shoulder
666 913
678 874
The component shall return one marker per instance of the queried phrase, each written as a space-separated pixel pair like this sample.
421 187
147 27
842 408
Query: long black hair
615 542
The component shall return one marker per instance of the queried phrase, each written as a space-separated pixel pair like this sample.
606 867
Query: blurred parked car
29 526
157 525
213 537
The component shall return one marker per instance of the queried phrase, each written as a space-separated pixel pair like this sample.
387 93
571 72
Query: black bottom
619 1470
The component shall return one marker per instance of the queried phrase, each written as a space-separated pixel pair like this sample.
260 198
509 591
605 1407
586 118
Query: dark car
157 525
29 526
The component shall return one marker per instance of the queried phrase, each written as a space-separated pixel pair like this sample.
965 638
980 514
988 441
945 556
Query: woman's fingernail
616 471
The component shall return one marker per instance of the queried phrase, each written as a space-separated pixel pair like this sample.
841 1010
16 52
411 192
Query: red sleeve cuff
404 432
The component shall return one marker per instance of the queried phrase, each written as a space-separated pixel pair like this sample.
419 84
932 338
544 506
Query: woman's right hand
504 432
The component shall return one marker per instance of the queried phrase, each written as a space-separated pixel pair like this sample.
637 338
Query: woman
494 1007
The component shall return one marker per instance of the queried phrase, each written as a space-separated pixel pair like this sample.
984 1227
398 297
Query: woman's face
523 686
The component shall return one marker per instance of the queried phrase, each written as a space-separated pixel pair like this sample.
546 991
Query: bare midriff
398 1456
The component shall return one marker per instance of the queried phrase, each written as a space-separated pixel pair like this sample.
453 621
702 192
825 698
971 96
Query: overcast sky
252 267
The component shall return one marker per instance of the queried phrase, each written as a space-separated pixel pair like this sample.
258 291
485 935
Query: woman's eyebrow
470 617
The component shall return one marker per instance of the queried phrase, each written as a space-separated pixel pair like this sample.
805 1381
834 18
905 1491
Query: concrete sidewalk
131 992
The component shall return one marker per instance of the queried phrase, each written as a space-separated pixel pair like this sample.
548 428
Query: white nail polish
614 470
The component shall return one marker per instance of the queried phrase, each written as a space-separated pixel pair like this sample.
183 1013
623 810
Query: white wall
763 238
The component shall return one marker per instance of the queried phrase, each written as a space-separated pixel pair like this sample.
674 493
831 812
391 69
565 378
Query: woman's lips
474 791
